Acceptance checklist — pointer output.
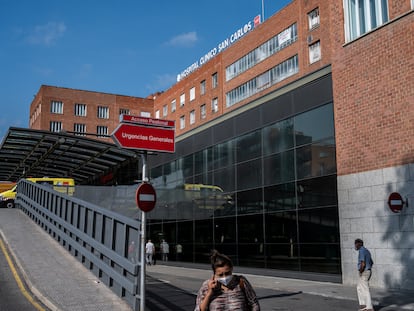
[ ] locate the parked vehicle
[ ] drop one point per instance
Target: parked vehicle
(6, 185)
(64, 185)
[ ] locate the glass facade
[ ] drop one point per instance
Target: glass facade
(267, 198)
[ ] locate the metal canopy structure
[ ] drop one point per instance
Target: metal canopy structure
(37, 153)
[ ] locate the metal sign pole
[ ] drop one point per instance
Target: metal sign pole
(143, 238)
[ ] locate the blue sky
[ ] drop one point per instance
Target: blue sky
(128, 47)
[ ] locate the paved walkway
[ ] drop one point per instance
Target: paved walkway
(58, 279)
(63, 283)
(383, 299)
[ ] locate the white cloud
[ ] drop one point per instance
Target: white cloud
(185, 39)
(46, 34)
(161, 83)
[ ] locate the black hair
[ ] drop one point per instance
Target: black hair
(219, 260)
(359, 241)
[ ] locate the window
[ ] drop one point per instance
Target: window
(173, 105)
(283, 39)
(362, 16)
(276, 74)
(157, 114)
(214, 80)
(192, 93)
(79, 129)
(103, 112)
(56, 107)
(192, 116)
(214, 104)
(412, 4)
(182, 122)
(203, 111)
(164, 110)
(124, 111)
(102, 131)
(55, 126)
(80, 110)
(313, 18)
(315, 52)
(203, 86)
(145, 114)
(182, 100)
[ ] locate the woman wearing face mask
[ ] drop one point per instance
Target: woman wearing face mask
(225, 291)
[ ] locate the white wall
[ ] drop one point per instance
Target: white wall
(364, 213)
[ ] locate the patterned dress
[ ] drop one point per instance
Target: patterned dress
(239, 296)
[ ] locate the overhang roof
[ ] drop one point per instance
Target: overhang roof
(38, 153)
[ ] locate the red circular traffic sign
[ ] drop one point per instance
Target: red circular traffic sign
(395, 202)
(146, 197)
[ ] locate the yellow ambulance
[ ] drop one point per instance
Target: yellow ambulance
(64, 185)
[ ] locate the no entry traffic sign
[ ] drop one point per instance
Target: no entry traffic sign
(146, 197)
(395, 202)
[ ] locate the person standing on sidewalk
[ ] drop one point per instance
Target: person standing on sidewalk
(364, 270)
(149, 251)
(225, 291)
(165, 250)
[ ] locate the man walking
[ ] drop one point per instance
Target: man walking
(364, 269)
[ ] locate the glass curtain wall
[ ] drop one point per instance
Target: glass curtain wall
(267, 198)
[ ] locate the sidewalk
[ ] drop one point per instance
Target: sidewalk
(59, 280)
(63, 283)
(386, 299)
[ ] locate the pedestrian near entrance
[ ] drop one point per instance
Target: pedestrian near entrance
(165, 250)
(149, 251)
(178, 252)
(364, 275)
(225, 291)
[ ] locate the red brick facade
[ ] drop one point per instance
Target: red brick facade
(372, 85)
(373, 80)
(296, 12)
(70, 97)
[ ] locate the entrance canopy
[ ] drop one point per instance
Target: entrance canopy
(37, 153)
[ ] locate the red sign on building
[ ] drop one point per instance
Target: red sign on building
(125, 118)
(135, 136)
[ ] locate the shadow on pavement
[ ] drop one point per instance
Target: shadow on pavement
(278, 295)
(163, 296)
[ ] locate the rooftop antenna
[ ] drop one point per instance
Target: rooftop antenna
(263, 17)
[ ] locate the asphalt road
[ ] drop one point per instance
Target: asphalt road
(165, 292)
(14, 295)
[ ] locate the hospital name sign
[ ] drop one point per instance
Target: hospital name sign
(239, 33)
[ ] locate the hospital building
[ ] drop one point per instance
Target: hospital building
(290, 136)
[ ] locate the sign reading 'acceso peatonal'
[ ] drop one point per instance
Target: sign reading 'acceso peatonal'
(137, 136)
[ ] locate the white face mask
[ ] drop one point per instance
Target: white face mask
(225, 280)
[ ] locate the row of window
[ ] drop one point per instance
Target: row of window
(265, 80)
(203, 113)
(284, 70)
(173, 104)
(361, 16)
(80, 110)
(267, 49)
(78, 129)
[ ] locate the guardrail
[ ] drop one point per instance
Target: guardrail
(103, 241)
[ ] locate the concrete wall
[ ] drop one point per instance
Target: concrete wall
(364, 213)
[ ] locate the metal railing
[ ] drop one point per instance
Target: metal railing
(105, 242)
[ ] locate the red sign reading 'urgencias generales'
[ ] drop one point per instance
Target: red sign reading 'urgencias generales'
(146, 134)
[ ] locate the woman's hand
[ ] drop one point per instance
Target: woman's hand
(212, 286)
